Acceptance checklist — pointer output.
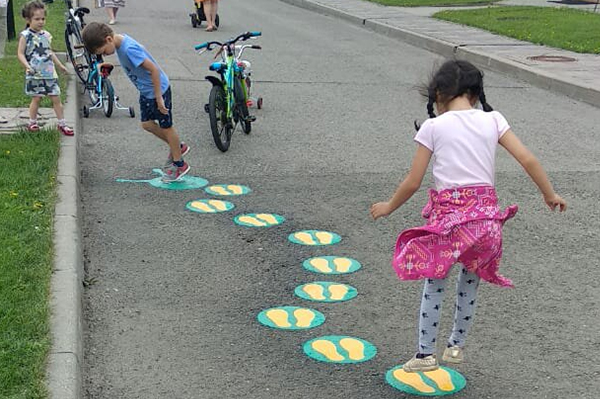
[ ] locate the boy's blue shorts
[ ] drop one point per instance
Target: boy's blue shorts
(149, 110)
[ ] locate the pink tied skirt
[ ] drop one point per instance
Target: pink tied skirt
(464, 225)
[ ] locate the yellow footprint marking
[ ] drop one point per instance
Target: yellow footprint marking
(235, 189)
(202, 206)
(321, 265)
(324, 237)
(342, 264)
(337, 291)
(305, 238)
(413, 380)
(442, 379)
(303, 317)
(251, 220)
(220, 190)
(220, 205)
(327, 349)
(270, 219)
(315, 291)
(279, 317)
(355, 348)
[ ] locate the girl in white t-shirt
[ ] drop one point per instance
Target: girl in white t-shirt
(464, 222)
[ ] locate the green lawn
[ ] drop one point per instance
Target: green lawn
(563, 28)
(12, 74)
(431, 3)
(28, 164)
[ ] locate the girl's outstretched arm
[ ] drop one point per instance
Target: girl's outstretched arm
(533, 168)
(408, 187)
(21, 55)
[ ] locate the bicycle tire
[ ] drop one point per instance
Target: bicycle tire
(77, 57)
(220, 126)
(108, 100)
(242, 106)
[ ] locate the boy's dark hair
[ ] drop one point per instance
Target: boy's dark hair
(30, 8)
(453, 79)
(94, 35)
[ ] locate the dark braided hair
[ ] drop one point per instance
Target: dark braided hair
(453, 79)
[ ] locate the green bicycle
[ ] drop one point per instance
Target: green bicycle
(228, 100)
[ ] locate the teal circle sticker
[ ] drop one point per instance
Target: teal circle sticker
(339, 349)
(186, 183)
(258, 219)
(440, 382)
(227, 189)
(314, 237)
(209, 206)
(325, 291)
(291, 318)
(331, 265)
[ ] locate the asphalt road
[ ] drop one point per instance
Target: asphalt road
(171, 309)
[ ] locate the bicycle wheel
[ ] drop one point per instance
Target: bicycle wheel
(77, 53)
(108, 97)
(242, 107)
(220, 126)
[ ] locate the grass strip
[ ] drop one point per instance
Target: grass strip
(558, 27)
(432, 3)
(28, 167)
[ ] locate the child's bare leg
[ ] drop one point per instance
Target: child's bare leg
(168, 135)
(58, 108)
(33, 108)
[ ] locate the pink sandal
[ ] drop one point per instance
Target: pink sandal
(33, 127)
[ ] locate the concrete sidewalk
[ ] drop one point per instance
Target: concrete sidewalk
(572, 74)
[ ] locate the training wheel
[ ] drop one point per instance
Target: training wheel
(259, 103)
(131, 112)
(86, 111)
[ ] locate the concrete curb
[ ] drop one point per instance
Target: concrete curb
(517, 70)
(65, 361)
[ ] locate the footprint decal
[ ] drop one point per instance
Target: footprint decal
(443, 381)
(291, 318)
(209, 206)
(227, 189)
(331, 265)
(186, 183)
(258, 220)
(339, 349)
(314, 237)
(324, 291)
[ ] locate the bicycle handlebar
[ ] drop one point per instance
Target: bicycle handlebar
(243, 36)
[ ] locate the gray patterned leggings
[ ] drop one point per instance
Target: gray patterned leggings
(431, 306)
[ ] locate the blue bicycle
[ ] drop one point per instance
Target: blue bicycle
(228, 100)
(100, 89)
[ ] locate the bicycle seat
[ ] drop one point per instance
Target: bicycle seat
(79, 11)
(105, 70)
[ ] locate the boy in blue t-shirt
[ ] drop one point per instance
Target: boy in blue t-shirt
(154, 88)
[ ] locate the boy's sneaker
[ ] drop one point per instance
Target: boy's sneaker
(428, 363)
(185, 149)
(66, 130)
(33, 127)
(453, 354)
(174, 173)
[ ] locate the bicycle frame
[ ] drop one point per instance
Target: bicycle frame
(231, 70)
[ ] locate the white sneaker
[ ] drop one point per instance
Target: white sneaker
(453, 354)
(428, 363)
